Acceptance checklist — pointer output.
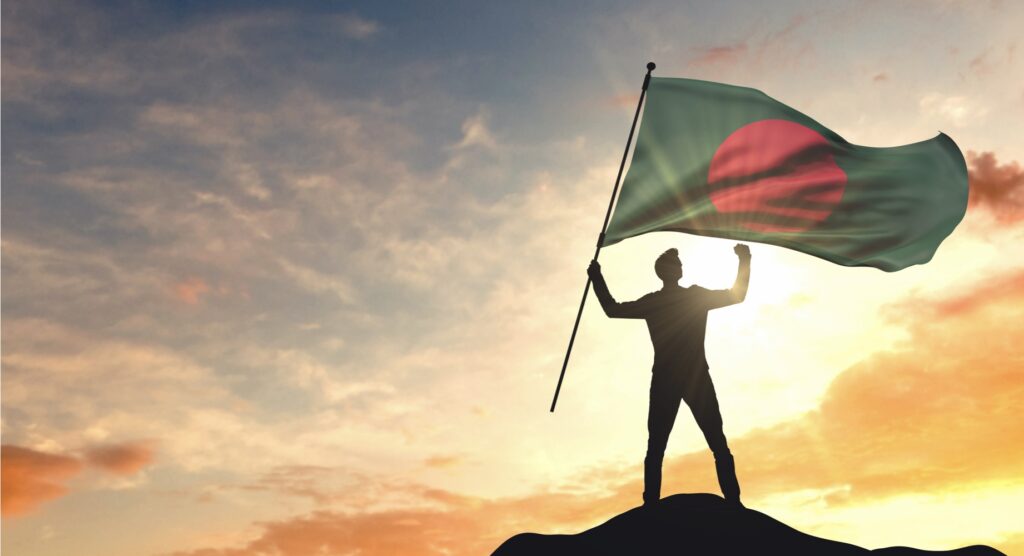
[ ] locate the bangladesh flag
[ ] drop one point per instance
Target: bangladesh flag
(732, 162)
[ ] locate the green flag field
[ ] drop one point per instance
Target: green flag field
(731, 162)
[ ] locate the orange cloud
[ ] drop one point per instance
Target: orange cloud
(191, 290)
(442, 461)
(997, 187)
(772, 48)
(719, 55)
(625, 100)
(121, 459)
(1012, 545)
(990, 60)
(307, 481)
(29, 477)
(445, 524)
(1009, 290)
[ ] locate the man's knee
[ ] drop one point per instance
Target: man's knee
(719, 445)
(656, 449)
(657, 436)
(710, 423)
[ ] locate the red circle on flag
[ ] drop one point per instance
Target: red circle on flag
(776, 176)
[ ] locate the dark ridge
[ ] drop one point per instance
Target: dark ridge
(686, 524)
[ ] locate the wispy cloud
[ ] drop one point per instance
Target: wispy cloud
(190, 290)
(719, 55)
(445, 461)
(990, 60)
(475, 133)
(782, 45)
(357, 27)
(956, 110)
(625, 100)
(122, 459)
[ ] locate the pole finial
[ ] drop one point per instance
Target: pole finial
(651, 66)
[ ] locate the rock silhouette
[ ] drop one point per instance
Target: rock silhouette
(698, 524)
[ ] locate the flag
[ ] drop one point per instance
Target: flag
(732, 162)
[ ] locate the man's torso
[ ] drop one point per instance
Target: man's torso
(677, 320)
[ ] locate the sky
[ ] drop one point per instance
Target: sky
(298, 278)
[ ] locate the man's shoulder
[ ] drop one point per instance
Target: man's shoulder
(693, 292)
(698, 291)
(677, 295)
(651, 296)
(700, 294)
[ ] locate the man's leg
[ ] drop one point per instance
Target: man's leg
(700, 396)
(661, 415)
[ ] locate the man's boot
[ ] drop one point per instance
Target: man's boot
(652, 478)
(726, 468)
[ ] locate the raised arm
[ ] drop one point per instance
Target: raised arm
(738, 292)
(739, 286)
(612, 308)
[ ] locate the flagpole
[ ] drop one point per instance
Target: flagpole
(604, 227)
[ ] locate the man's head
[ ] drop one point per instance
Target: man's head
(668, 267)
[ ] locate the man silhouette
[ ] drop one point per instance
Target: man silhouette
(676, 318)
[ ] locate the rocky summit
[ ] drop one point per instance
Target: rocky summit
(699, 524)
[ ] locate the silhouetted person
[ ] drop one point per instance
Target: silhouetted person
(676, 318)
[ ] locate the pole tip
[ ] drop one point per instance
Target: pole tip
(651, 66)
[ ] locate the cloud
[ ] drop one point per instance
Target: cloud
(47, 385)
(121, 459)
(1007, 288)
(190, 290)
(357, 27)
(129, 60)
(880, 77)
(30, 477)
(991, 60)
(439, 523)
(719, 55)
(443, 461)
(300, 369)
(65, 387)
(315, 281)
(981, 64)
(780, 46)
(427, 532)
(476, 133)
(625, 100)
(1013, 544)
(326, 199)
(305, 481)
(996, 187)
(956, 110)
